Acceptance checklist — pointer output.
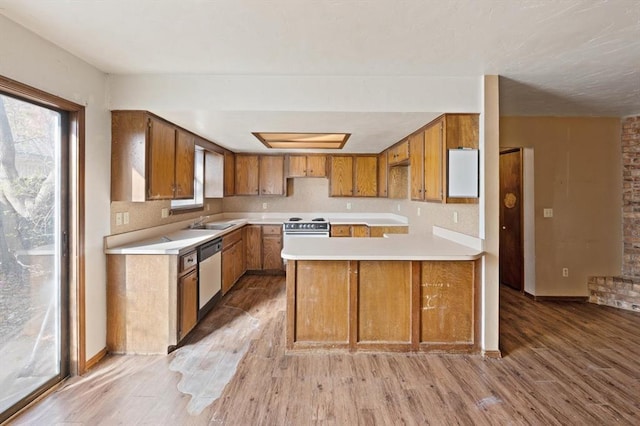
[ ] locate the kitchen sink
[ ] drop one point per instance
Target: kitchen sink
(219, 226)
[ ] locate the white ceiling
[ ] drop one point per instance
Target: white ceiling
(555, 57)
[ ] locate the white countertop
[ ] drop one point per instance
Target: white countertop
(180, 241)
(392, 247)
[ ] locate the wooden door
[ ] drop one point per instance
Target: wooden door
(317, 165)
(341, 177)
(272, 175)
(188, 302)
(511, 237)
(229, 174)
(161, 160)
(246, 176)
(297, 166)
(184, 163)
(416, 161)
(366, 176)
(253, 247)
(383, 181)
(433, 162)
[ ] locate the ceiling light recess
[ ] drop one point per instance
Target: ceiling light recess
(282, 140)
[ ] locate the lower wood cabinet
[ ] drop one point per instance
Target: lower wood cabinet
(383, 305)
(264, 248)
(187, 303)
(233, 259)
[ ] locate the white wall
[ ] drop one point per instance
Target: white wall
(29, 59)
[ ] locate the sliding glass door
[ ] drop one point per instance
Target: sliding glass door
(34, 283)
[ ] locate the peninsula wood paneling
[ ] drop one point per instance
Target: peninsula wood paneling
(322, 302)
(379, 231)
(447, 302)
(384, 301)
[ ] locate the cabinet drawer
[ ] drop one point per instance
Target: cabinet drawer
(232, 238)
(341, 231)
(188, 260)
(271, 230)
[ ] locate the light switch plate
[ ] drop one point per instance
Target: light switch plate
(118, 219)
(547, 212)
(125, 218)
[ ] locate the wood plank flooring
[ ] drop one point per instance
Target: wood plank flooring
(563, 363)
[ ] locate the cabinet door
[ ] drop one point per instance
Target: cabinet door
(271, 249)
(246, 176)
(228, 269)
(433, 151)
(359, 231)
(272, 175)
(253, 247)
(161, 160)
(366, 177)
(416, 160)
(341, 177)
(229, 174)
(383, 180)
(399, 153)
(297, 166)
(317, 165)
(184, 159)
(240, 264)
(188, 303)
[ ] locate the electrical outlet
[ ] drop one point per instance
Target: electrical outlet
(455, 217)
(547, 213)
(125, 218)
(398, 207)
(565, 272)
(264, 206)
(164, 213)
(418, 211)
(348, 206)
(118, 219)
(208, 207)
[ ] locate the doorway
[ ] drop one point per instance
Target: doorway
(34, 260)
(511, 250)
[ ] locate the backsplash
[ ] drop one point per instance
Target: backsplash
(149, 214)
(312, 195)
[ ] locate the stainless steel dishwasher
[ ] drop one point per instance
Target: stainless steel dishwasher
(209, 274)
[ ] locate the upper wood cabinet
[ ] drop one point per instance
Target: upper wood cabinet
(246, 175)
(399, 153)
(259, 175)
(353, 176)
(416, 149)
(306, 166)
(271, 181)
(450, 131)
(229, 173)
(383, 175)
(151, 159)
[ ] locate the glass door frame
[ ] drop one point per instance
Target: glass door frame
(72, 289)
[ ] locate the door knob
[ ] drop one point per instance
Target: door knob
(504, 227)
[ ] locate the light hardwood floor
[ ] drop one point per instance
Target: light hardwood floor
(564, 363)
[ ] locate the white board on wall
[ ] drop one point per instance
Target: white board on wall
(463, 178)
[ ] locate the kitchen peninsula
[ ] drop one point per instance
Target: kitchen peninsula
(399, 293)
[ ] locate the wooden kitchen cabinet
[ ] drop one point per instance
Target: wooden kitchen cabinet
(353, 176)
(229, 174)
(233, 259)
(247, 175)
(264, 248)
(416, 159)
(253, 247)
(259, 175)
(428, 155)
(187, 303)
(354, 231)
(271, 177)
(151, 159)
(306, 166)
(399, 153)
(383, 175)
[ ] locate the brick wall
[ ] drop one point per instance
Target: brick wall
(624, 292)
